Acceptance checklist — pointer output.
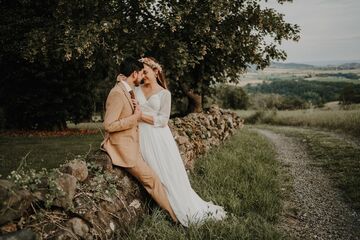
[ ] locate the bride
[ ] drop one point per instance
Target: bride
(160, 151)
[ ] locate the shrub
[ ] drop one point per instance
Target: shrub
(230, 96)
(275, 101)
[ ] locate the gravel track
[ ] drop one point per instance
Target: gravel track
(315, 209)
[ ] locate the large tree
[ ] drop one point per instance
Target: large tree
(206, 42)
(64, 49)
(53, 54)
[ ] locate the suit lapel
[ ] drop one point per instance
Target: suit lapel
(127, 94)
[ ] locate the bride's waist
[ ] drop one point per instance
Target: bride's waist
(149, 125)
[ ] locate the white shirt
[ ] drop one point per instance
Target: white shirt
(127, 86)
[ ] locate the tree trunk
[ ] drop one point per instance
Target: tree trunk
(195, 102)
(60, 126)
(195, 99)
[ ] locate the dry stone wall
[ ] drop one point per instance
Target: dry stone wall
(90, 198)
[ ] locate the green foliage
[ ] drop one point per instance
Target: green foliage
(316, 92)
(55, 54)
(43, 182)
(349, 95)
(207, 42)
(34, 96)
(275, 101)
(233, 97)
(256, 117)
(103, 183)
(261, 116)
(352, 76)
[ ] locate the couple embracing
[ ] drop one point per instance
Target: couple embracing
(139, 140)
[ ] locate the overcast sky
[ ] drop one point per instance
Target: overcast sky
(330, 30)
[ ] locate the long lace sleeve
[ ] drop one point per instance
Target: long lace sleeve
(162, 117)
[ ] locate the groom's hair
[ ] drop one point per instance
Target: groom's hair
(130, 65)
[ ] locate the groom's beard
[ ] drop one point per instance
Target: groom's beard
(137, 82)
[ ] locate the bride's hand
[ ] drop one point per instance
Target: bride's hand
(138, 113)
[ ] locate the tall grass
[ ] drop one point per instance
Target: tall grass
(347, 121)
(242, 176)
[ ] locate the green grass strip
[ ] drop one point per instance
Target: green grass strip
(242, 176)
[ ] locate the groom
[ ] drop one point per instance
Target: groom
(122, 136)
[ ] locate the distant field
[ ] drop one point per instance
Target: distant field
(267, 71)
(270, 74)
(347, 121)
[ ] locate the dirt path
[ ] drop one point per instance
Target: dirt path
(315, 209)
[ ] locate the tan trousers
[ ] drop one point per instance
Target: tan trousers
(152, 184)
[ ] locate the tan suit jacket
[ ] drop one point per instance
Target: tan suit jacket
(122, 144)
(122, 135)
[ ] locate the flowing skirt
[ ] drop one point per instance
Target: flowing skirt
(160, 151)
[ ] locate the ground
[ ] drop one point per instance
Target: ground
(314, 208)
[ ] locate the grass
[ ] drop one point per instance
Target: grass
(242, 176)
(340, 158)
(86, 125)
(43, 152)
(347, 121)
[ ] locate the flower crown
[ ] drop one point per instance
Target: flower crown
(151, 63)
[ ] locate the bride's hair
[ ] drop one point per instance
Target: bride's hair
(153, 63)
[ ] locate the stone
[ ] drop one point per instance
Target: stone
(119, 172)
(102, 159)
(8, 228)
(229, 122)
(23, 234)
(79, 227)
(13, 202)
(181, 140)
(135, 204)
(5, 186)
(103, 219)
(64, 235)
(67, 184)
(76, 168)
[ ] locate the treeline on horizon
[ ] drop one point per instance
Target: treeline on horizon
(352, 76)
(316, 92)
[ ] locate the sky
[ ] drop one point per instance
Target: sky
(330, 30)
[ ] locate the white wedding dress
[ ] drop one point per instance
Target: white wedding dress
(160, 151)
